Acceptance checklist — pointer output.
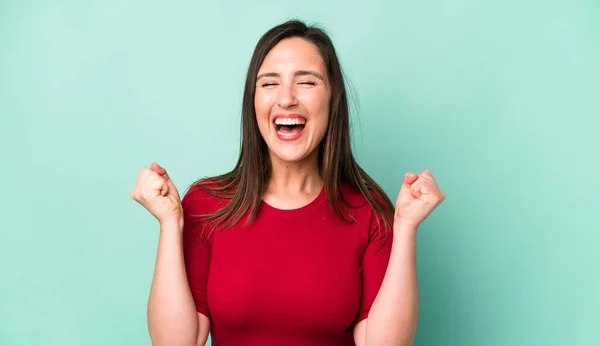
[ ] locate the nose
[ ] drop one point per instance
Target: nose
(287, 96)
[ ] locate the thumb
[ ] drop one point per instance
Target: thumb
(170, 184)
(161, 171)
(163, 174)
(157, 168)
(409, 179)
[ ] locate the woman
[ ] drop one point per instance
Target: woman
(297, 245)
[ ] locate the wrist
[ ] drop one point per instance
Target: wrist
(403, 227)
(172, 223)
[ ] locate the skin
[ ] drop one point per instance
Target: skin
(282, 89)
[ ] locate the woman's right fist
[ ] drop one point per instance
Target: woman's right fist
(156, 192)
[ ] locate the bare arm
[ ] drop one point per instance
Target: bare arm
(393, 316)
(172, 316)
(394, 313)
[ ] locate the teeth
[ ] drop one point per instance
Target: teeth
(290, 121)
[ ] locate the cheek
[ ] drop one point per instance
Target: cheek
(262, 108)
(318, 106)
(258, 105)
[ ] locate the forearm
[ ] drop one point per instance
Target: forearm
(172, 317)
(393, 316)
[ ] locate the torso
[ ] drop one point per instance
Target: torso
(292, 277)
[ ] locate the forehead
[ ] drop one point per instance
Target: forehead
(293, 54)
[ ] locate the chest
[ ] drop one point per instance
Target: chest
(284, 275)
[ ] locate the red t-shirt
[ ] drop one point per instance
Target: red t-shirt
(293, 277)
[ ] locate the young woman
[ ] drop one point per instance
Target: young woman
(297, 245)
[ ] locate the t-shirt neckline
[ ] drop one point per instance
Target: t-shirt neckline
(272, 211)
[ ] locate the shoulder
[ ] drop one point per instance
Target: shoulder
(351, 195)
(355, 199)
(198, 203)
(200, 197)
(194, 194)
(364, 209)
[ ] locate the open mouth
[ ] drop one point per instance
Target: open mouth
(289, 126)
(289, 129)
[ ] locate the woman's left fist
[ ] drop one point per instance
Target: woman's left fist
(418, 196)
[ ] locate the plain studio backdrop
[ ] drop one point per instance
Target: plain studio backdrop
(499, 99)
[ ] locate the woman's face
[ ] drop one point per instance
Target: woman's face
(292, 99)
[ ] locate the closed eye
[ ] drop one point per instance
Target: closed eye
(308, 83)
(268, 84)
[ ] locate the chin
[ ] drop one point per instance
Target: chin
(289, 156)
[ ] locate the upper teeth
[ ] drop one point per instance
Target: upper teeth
(290, 121)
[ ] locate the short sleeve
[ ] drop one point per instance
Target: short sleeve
(374, 263)
(196, 249)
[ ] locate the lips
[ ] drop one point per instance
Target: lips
(289, 127)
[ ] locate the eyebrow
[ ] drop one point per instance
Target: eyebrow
(296, 74)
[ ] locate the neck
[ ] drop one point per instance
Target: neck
(290, 178)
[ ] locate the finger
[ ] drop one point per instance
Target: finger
(145, 176)
(163, 173)
(427, 174)
(409, 179)
(157, 168)
(168, 181)
(420, 182)
(156, 183)
(427, 188)
(160, 170)
(164, 189)
(145, 173)
(415, 190)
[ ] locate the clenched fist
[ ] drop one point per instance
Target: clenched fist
(418, 197)
(156, 192)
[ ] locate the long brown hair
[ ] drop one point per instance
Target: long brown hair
(247, 182)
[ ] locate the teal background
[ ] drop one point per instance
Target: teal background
(499, 99)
